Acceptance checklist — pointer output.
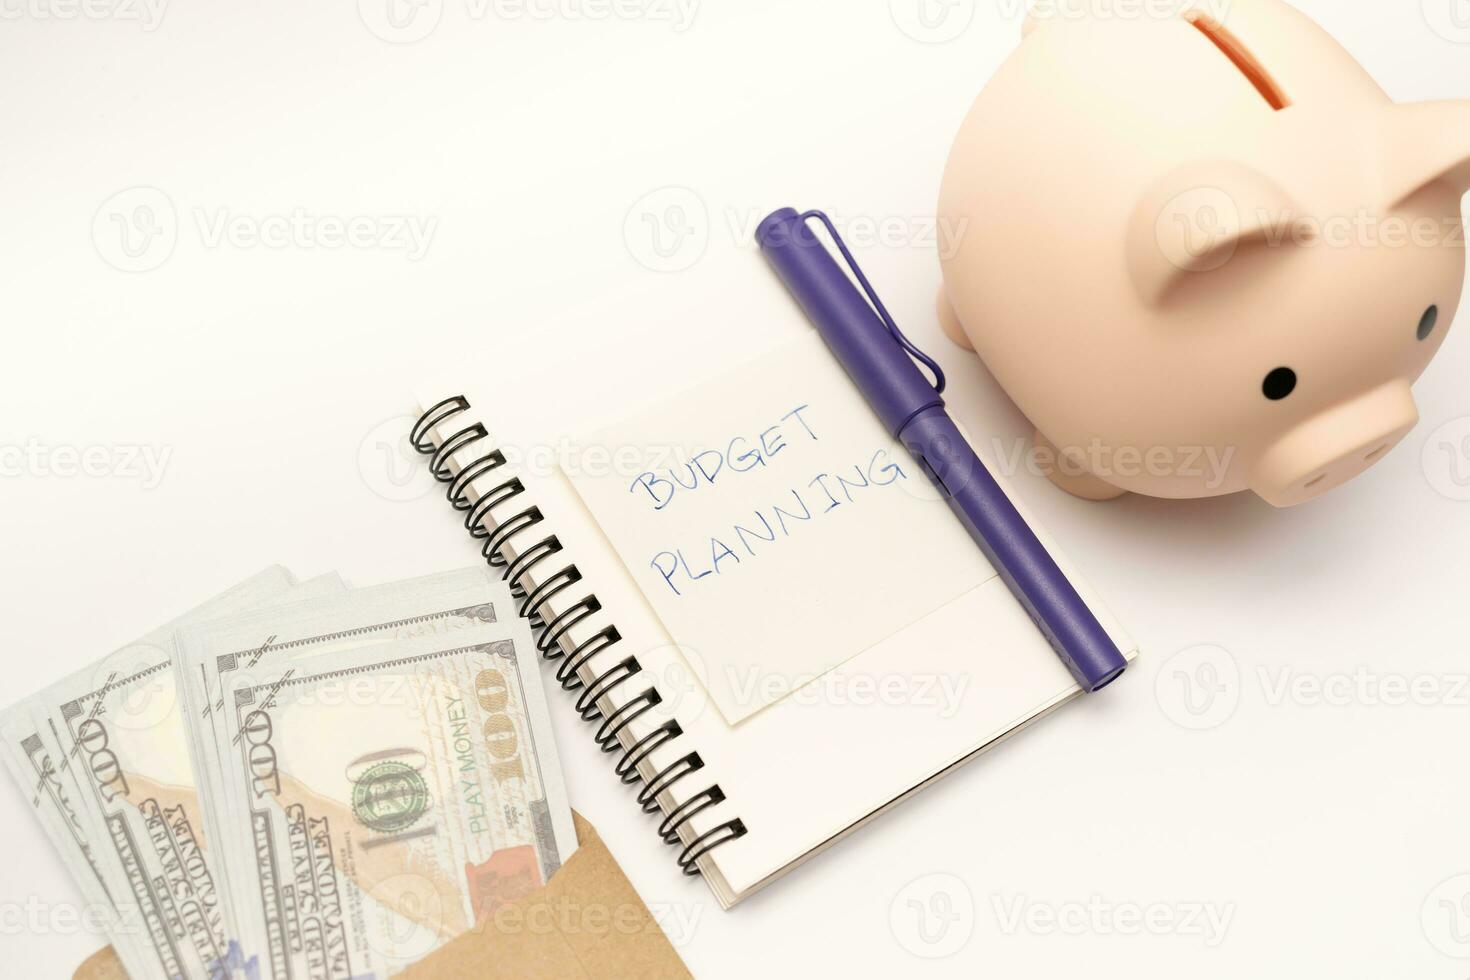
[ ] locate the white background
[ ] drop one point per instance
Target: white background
(1328, 831)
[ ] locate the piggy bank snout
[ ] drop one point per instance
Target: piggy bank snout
(1329, 449)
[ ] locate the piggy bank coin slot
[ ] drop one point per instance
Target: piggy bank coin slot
(1234, 49)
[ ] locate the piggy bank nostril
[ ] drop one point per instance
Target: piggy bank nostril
(1376, 453)
(1428, 322)
(1279, 383)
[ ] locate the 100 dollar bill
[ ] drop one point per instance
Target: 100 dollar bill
(36, 762)
(122, 753)
(260, 643)
(390, 798)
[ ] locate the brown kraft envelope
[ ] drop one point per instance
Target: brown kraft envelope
(586, 922)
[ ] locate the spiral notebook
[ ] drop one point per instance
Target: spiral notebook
(776, 629)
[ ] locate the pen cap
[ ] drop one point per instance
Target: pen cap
(861, 342)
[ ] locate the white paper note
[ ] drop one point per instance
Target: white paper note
(773, 524)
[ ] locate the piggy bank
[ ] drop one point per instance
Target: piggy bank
(1204, 253)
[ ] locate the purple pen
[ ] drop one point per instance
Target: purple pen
(880, 361)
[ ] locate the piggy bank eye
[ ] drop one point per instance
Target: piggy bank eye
(1427, 322)
(1279, 383)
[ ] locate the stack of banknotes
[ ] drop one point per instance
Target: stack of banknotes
(302, 779)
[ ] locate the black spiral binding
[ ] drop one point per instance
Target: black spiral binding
(551, 632)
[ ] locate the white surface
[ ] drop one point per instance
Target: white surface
(1327, 826)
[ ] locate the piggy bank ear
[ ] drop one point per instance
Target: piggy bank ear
(1426, 143)
(1194, 221)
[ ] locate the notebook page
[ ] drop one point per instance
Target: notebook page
(774, 525)
(957, 681)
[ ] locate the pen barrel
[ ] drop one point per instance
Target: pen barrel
(895, 387)
(913, 412)
(1016, 553)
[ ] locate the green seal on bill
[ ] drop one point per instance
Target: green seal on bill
(389, 797)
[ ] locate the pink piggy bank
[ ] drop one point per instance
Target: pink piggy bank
(1205, 253)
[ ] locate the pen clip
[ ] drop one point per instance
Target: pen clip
(878, 306)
